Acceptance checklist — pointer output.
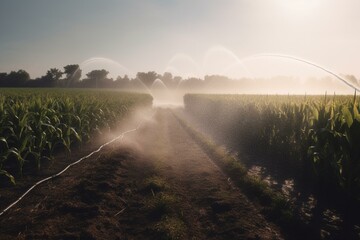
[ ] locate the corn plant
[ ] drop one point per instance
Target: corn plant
(37, 123)
(316, 135)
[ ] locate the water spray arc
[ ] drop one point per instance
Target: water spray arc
(105, 60)
(93, 60)
(309, 63)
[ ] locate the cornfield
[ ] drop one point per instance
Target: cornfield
(316, 135)
(34, 124)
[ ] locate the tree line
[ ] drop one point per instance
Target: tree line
(72, 77)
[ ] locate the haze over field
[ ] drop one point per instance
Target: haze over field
(186, 38)
(179, 119)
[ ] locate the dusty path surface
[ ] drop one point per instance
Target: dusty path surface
(158, 184)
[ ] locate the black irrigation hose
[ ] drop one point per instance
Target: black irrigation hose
(120, 137)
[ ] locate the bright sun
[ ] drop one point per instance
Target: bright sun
(301, 7)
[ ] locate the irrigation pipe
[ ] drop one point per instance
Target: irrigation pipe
(120, 137)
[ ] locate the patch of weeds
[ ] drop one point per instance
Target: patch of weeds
(232, 166)
(161, 204)
(257, 189)
(155, 184)
(280, 211)
(170, 228)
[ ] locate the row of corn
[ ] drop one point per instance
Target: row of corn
(35, 124)
(316, 135)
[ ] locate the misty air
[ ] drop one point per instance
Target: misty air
(177, 119)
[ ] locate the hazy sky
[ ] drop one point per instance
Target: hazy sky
(187, 37)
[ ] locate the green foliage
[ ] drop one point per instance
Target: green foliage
(275, 204)
(318, 136)
(36, 123)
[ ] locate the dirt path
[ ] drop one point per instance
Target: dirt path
(159, 184)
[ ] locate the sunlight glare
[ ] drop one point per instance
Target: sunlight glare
(299, 7)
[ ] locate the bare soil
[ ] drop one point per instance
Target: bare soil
(156, 184)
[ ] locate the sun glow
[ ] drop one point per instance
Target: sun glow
(299, 7)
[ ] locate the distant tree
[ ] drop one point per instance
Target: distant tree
(3, 79)
(52, 77)
(147, 78)
(106, 83)
(37, 82)
(214, 82)
(177, 81)
(167, 79)
(95, 78)
(192, 84)
(17, 79)
(122, 82)
(73, 75)
(3, 76)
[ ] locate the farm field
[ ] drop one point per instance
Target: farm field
(37, 124)
(305, 146)
(179, 120)
(156, 184)
(277, 175)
